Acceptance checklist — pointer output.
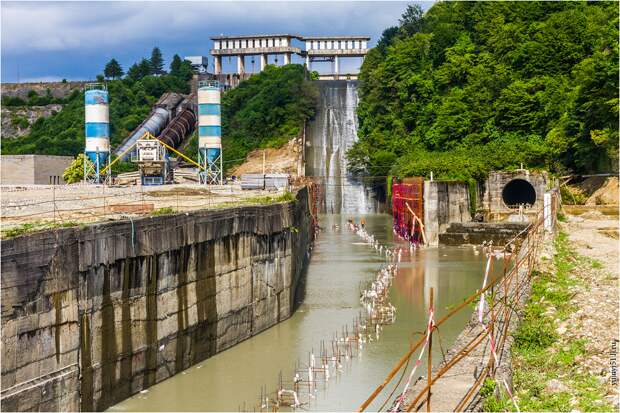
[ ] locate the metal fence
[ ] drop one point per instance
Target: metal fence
(497, 301)
(68, 205)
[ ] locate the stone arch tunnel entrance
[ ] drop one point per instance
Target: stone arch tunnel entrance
(517, 192)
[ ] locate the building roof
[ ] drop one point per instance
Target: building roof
(335, 38)
(255, 36)
(288, 35)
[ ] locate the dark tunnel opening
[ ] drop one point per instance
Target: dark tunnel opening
(517, 192)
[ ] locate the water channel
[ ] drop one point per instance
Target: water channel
(340, 264)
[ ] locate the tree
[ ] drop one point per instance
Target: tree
(134, 72)
(181, 69)
(75, 172)
(145, 67)
(175, 65)
(470, 86)
(100, 78)
(139, 70)
(113, 70)
(157, 62)
(412, 19)
(387, 38)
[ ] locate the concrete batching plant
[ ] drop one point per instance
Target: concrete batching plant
(97, 130)
(210, 133)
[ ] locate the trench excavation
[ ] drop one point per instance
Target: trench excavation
(330, 337)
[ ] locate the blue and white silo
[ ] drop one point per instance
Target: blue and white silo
(210, 131)
(97, 126)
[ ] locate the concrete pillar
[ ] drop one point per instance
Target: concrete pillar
(217, 62)
(263, 61)
(241, 65)
(287, 58)
(336, 68)
(307, 62)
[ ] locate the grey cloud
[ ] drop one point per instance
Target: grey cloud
(91, 25)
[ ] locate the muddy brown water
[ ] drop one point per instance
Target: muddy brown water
(340, 265)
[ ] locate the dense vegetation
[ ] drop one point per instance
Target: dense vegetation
(131, 100)
(266, 110)
(473, 86)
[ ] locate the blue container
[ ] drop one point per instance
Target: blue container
(209, 109)
(210, 131)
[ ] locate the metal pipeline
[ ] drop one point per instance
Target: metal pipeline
(180, 126)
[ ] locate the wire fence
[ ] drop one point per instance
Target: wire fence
(485, 340)
(86, 204)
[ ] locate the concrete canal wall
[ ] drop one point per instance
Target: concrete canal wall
(93, 315)
(445, 202)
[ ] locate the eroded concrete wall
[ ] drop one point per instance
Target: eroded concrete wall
(492, 202)
(92, 315)
(445, 202)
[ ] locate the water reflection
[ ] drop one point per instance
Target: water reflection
(340, 265)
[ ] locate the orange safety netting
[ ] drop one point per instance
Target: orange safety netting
(407, 200)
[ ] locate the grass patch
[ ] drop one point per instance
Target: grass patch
(260, 200)
(35, 226)
(540, 353)
(163, 211)
(596, 264)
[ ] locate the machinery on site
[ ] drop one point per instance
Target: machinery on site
(163, 113)
(96, 132)
(210, 133)
(155, 164)
(154, 144)
(154, 156)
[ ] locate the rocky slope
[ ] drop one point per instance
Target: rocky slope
(16, 121)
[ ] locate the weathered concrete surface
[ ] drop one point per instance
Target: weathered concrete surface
(92, 315)
(492, 202)
(445, 202)
(476, 233)
(33, 169)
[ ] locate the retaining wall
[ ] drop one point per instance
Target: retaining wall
(445, 202)
(93, 315)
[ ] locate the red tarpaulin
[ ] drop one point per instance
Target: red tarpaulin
(408, 199)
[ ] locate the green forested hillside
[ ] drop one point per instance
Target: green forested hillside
(266, 110)
(131, 101)
(474, 86)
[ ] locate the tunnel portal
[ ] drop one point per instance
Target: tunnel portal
(517, 192)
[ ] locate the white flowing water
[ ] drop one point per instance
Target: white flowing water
(329, 137)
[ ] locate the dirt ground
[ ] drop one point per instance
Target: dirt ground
(280, 160)
(90, 203)
(595, 190)
(595, 320)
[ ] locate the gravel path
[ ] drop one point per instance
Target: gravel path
(595, 320)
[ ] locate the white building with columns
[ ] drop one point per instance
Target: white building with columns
(256, 45)
(317, 49)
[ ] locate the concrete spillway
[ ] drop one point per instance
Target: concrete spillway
(328, 138)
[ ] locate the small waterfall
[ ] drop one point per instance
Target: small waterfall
(328, 139)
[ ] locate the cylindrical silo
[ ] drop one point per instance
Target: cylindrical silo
(210, 130)
(97, 124)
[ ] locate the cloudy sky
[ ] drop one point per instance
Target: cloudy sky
(74, 40)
